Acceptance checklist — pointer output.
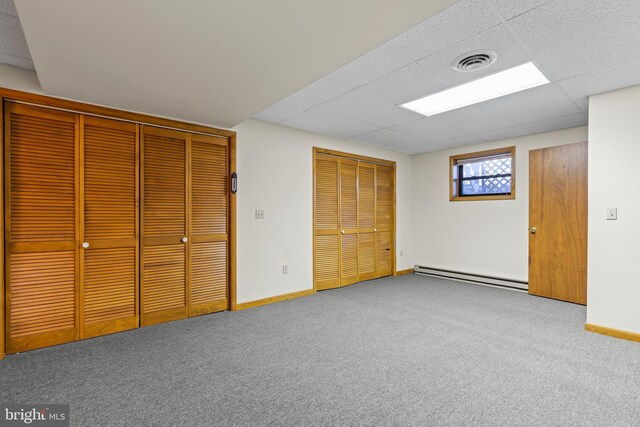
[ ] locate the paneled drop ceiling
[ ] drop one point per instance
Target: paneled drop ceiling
(13, 46)
(584, 47)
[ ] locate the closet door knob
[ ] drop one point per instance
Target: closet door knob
(185, 239)
(342, 231)
(375, 230)
(85, 245)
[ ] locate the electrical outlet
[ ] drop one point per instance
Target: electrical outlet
(259, 214)
(285, 269)
(612, 213)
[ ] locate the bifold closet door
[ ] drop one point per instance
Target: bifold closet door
(109, 268)
(326, 218)
(42, 175)
(366, 222)
(384, 220)
(164, 225)
(348, 222)
(209, 230)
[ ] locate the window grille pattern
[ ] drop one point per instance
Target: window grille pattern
(486, 177)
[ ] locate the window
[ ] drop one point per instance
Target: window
(485, 175)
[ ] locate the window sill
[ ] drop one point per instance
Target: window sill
(480, 198)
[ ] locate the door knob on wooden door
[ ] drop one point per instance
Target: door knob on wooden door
(85, 245)
(184, 240)
(533, 230)
(342, 231)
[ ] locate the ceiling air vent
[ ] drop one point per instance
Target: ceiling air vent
(474, 61)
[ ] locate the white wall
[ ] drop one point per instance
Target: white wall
(613, 292)
(275, 173)
(482, 237)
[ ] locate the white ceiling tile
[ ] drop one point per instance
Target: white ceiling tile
(369, 109)
(12, 41)
(404, 85)
(321, 91)
(511, 8)
(428, 129)
(328, 123)
(463, 141)
(386, 138)
(497, 39)
(534, 105)
(581, 87)
(504, 133)
(475, 119)
(558, 123)
(572, 37)
(371, 66)
(16, 61)
(8, 7)
(460, 21)
(423, 148)
(280, 111)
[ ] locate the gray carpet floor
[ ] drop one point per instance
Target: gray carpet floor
(399, 351)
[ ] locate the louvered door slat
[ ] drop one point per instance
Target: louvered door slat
(349, 222)
(164, 281)
(209, 225)
(366, 221)
(42, 289)
(110, 285)
(383, 221)
(164, 218)
(327, 272)
(42, 185)
(209, 277)
(327, 240)
(326, 193)
(164, 183)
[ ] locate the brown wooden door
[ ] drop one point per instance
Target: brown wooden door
(384, 221)
(109, 268)
(41, 167)
(348, 222)
(558, 222)
(366, 221)
(326, 223)
(209, 225)
(164, 224)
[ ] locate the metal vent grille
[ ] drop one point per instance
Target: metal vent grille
(474, 61)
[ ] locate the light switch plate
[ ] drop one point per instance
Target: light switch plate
(259, 214)
(612, 213)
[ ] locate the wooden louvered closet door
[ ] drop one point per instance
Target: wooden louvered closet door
(366, 221)
(348, 222)
(384, 221)
(164, 226)
(110, 230)
(326, 218)
(41, 158)
(209, 225)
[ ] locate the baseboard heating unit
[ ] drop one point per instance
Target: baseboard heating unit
(473, 278)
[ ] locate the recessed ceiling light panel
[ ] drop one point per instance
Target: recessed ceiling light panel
(474, 61)
(522, 77)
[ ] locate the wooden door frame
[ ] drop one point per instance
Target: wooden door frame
(122, 115)
(358, 157)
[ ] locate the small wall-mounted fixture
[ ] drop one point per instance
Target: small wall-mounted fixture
(234, 182)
